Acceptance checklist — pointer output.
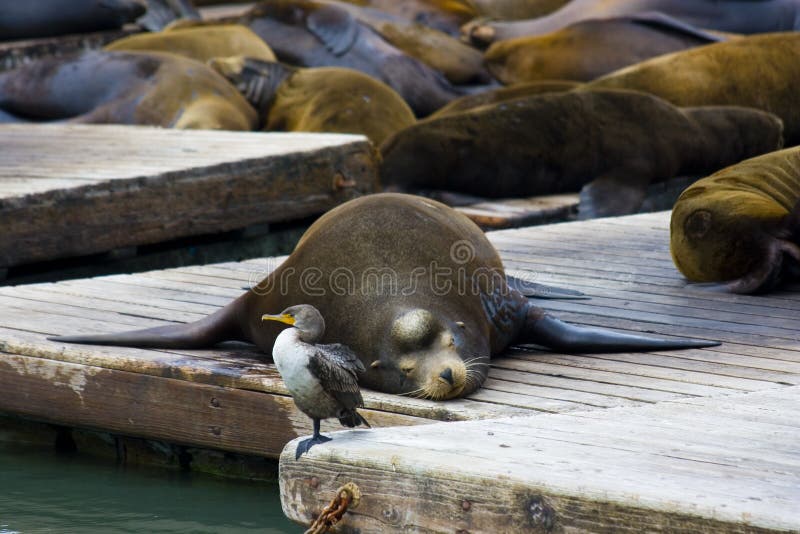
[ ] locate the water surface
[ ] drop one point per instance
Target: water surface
(42, 491)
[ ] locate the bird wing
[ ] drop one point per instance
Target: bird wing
(336, 367)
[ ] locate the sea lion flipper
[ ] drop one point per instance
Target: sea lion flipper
(610, 195)
(659, 20)
(542, 291)
(162, 13)
(335, 27)
(208, 331)
(543, 329)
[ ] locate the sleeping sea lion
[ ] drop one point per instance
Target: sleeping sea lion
(26, 19)
(741, 225)
(588, 49)
(555, 143)
(413, 287)
(735, 16)
(307, 33)
(326, 99)
(125, 88)
(503, 94)
(200, 43)
(444, 15)
(459, 62)
(759, 71)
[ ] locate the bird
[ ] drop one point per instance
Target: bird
(322, 379)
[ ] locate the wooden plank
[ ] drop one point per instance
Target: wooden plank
(516, 212)
(669, 467)
(140, 185)
(177, 411)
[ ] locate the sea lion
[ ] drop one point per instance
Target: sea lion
(125, 88)
(326, 99)
(459, 62)
(200, 43)
(504, 94)
(759, 71)
(735, 16)
(741, 225)
(413, 287)
(444, 15)
(26, 19)
(516, 9)
(588, 49)
(558, 142)
(308, 33)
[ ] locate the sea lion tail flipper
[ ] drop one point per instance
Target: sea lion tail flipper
(543, 329)
(542, 291)
(208, 331)
(334, 27)
(608, 196)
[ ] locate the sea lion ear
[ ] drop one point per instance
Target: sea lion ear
(335, 27)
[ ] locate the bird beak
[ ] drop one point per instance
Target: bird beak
(288, 319)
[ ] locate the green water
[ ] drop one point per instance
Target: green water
(41, 491)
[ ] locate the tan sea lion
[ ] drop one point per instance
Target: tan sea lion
(26, 19)
(740, 227)
(200, 43)
(413, 287)
(759, 71)
(504, 94)
(310, 33)
(444, 15)
(326, 99)
(125, 88)
(735, 16)
(621, 141)
(588, 49)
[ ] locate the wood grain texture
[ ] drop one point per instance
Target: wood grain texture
(727, 464)
(71, 190)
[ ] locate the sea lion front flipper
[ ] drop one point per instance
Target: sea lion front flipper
(659, 20)
(162, 13)
(543, 329)
(542, 291)
(208, 331)
(608, 196)
(335, 27)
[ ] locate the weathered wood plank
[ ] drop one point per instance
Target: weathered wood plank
(515, 212)
(669, 467)
(139, 185)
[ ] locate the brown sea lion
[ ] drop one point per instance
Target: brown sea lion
(459, 62)
(413, 287)
(326, 99)
(735, 16)
(308, 33)
(25, 19)
(759, 71)
(444, 15)
(125, 88)
(621, 141)
(200, 43)
(588, 49)
(504, 94)
(741, 225)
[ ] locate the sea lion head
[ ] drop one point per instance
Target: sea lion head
(430, 357)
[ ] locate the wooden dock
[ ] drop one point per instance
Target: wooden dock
(73, 190)
(673, 441)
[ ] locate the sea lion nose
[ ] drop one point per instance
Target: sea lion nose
(447, 374)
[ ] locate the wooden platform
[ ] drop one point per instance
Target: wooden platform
(618, 428)
(72, 190)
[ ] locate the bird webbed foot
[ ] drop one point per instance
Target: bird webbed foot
(305, 445)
